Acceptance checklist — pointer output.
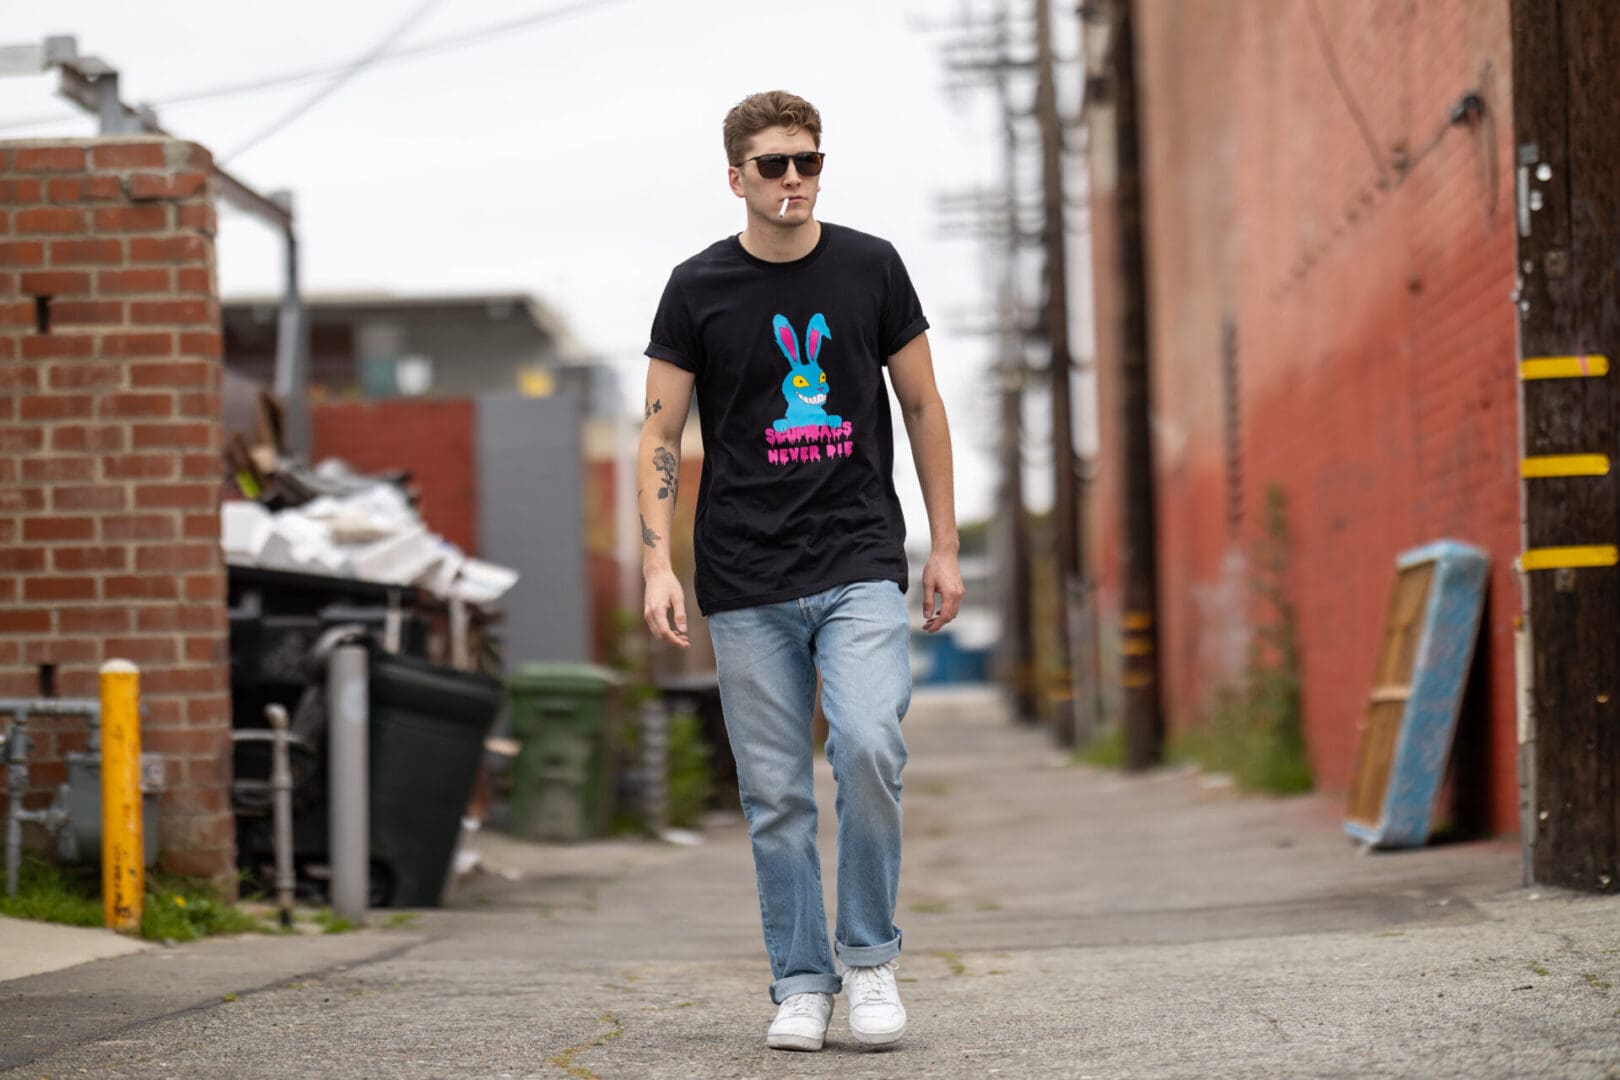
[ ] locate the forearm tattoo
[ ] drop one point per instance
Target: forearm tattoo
(664, 462)
(648, 537)
(654, 406)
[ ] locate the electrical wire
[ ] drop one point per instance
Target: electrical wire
(286, 79)
(347, 73)
(1331, 59)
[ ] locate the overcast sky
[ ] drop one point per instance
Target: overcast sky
(577, 159)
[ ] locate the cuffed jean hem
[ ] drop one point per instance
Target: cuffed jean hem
(782, 989)
(867, 955)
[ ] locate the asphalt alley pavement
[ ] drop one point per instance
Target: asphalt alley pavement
(1059, 921)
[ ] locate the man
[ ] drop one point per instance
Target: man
(784, 331)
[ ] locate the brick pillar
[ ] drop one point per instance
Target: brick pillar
(110, 460)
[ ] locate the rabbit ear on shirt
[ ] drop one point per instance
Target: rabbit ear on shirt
(814, 334)
(786, 339)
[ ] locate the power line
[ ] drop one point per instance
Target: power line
(435, 47)
(355, 67)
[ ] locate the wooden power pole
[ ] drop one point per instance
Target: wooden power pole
(1565, 84)
(1066, 531)
(1143, 722)
(1017, 608)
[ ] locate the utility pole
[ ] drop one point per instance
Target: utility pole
(1065, 472)
(1020, 642)
(1564, 84)
(985, 55)
(1142, 719)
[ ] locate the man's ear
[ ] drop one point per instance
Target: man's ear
(734, 178)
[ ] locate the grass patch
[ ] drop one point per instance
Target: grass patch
(1595, 982)
(402, 920)
(953, 962)
(931, 907)
(175, 908)
(49, 894)
(331, 923)
(1539, 970)
(1106, 751)
(1254, 732)
(185, 909)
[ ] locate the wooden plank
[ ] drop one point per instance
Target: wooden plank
(1403, 625)
(1374, 756)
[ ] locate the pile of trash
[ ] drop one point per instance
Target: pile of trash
(335, 522)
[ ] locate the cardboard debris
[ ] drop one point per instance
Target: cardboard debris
(357, 527)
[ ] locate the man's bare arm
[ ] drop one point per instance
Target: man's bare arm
(658, 477)
(912, 372)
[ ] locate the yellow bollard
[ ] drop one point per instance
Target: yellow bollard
(123, 849)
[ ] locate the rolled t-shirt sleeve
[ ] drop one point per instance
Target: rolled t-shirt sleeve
(673, 338)
(901, 316)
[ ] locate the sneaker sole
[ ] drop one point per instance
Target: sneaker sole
(793, 1042)
(878, 1038)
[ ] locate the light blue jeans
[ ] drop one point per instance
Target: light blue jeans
(858, 637)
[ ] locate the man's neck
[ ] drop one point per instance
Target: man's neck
(775, 244)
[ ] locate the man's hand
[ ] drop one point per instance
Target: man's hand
(664, 595)
(942, 578)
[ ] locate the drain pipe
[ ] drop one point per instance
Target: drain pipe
(14, 749)
(281, 785)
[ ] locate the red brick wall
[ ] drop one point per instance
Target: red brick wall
(110, 460)
(1374, 337)
(432, 439)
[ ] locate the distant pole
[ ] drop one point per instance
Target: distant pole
(1016, 609)
(1143, 721)
(1065, 473)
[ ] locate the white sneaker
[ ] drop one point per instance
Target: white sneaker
(875, 1013)
(801, 1022)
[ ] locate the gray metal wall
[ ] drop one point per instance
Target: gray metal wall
(531, 518)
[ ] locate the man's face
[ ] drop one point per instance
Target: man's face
(764, 197)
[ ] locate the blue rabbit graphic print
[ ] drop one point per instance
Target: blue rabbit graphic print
(805, 385)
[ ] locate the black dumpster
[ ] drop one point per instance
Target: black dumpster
(427, 731)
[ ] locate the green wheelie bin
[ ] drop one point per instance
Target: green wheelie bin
(564, 717)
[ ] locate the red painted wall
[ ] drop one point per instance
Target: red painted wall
(431, 439)
(1368, 291)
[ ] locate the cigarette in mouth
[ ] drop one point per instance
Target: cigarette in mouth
(783, 212)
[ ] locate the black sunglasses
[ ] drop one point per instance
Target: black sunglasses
(774, 166)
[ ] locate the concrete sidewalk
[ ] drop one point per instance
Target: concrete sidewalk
(1058, 921)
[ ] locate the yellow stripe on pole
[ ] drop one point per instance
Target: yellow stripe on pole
(1136, 620)
(1563, 367)
(123, 850)
(1569, 558)
(1137, 647)
(1136, 680)
(1532, 468)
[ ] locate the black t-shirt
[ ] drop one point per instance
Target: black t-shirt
(797, 491)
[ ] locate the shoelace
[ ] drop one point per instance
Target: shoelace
(870, 986)
(801, 1005)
